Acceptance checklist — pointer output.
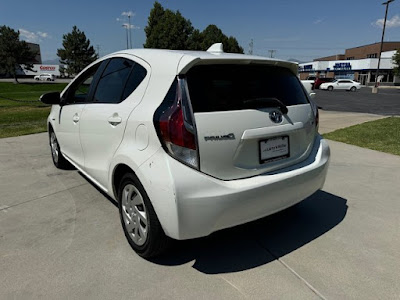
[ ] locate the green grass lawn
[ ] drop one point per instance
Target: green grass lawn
(18, 117)
(381, 135)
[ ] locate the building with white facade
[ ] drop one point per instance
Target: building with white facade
(358, 63)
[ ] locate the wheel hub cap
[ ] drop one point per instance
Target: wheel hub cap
(134, 214)
(54, 147)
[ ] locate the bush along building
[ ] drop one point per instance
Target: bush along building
(359, 63)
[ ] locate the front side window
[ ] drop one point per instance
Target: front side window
(237, 87)
(79, 91)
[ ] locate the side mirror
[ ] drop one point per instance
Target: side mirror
(312, 95)
(51, 98)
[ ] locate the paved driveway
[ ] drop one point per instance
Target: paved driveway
(386, 102)
(61, 238)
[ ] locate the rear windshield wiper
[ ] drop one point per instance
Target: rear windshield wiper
(266, 102)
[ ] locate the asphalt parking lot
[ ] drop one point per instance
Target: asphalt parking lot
(385, 102)
(61, 238)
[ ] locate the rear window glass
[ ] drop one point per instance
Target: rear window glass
(237, 87)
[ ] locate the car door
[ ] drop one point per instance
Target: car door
(347, 84)
(120, 88)
(340, 85)
(67, 128)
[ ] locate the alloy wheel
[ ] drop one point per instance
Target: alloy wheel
(54, 147)
(134, 214)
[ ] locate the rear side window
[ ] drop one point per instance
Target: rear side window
(112, 81)
(137, 75)
(237, 87)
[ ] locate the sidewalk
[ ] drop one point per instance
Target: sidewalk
(333, 120)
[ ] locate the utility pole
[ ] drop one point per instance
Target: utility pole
(375, 89)
(126, 27)
(251, 47)
(272, 52)
(130, 29)
(98, 50)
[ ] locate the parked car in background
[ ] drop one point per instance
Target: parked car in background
(341, 84)
(189, 142)
(45, 77)
(322, 80)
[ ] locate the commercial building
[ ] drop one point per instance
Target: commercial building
(38, 68)
(359, 63)
(35, 48)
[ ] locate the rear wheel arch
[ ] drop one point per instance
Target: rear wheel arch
(119, 172)
(156, 242)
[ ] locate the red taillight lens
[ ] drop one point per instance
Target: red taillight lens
(173, 130)
(175, 126)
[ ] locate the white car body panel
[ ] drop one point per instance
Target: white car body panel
(67, 128)
(239, 158)
(102, 126)
(188, 202)
(196, 210)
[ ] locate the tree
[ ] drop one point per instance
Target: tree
(170, 30)
(14, 54)
(167, 29)
(77, 52)
(212, 34)
(396, 61)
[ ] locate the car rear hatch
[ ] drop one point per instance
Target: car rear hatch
(237, 119)
(250, 118)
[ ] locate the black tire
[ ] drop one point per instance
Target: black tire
(353, 89)
(58, 159)
(37, 79)
(330, 88)
(48, 79)
(156, 241)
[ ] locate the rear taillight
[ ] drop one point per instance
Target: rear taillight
(175, 127)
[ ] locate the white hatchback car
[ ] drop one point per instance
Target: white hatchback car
(341, 84)
(189, 142)
(45, 77)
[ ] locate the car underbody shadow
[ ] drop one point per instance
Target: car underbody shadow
(262, 241)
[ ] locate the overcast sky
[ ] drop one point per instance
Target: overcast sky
(295, 29)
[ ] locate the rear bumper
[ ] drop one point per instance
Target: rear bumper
(205, 204)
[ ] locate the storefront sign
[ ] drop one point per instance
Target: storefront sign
(47, 68)
(342, 66)
(306, 68)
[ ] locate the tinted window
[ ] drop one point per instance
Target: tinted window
(79, 91)
(236, 87)
(113, 80)
(135, 78)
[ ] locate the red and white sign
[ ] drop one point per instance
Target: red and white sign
(47, 68)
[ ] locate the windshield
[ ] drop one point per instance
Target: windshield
(237, 87)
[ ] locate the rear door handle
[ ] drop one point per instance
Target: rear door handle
(114, 120)
(75, 118)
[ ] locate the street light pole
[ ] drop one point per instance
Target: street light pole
(126, 27)
(130, 28)
(375, 89)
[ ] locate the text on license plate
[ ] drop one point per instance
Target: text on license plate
(274, 149)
